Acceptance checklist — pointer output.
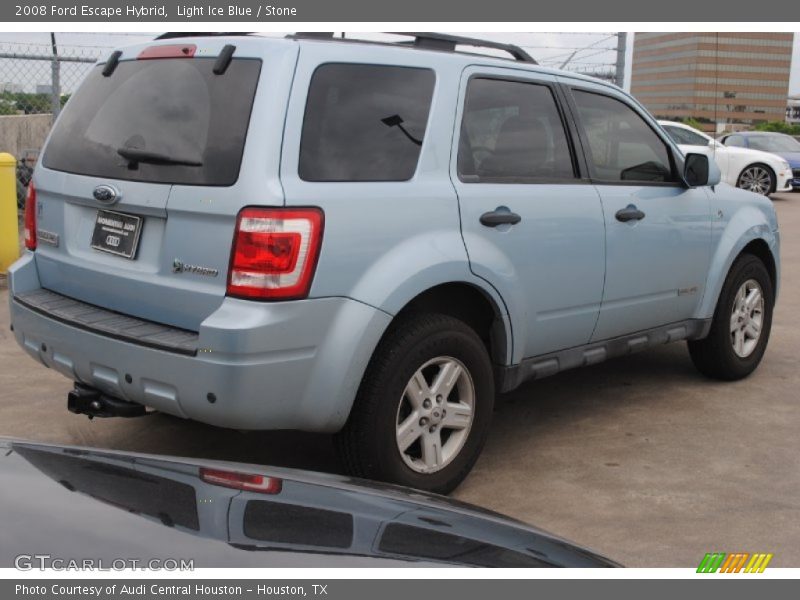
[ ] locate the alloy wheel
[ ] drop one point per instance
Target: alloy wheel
(747, 318)
(756, 179)
(435, 414)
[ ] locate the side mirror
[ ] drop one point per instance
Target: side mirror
(698, 171)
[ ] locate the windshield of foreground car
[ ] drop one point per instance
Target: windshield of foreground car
(774, 143)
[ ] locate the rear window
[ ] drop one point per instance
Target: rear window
(186, 125)
(364, 122)
(172, 502)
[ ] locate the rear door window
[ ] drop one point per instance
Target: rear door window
(364, 122)
(512, 132)
(186, 124)
(735, 140)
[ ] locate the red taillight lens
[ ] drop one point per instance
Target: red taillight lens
(30, 218)
(242, 481)
(275, 253)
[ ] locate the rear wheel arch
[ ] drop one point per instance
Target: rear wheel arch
(470, 304)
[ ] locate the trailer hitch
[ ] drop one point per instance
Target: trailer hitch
(85, 400)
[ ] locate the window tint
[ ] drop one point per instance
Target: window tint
(295, 524)
(408, 540)
(684, 136)
(512, 132)
(622, 147)
(735, 140)
(364, 122)
(177, 109)
(170, 501)
(774, 143)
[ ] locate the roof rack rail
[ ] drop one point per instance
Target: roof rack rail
(434, 41)
(443, 41)
(171, 35)
(429, 41)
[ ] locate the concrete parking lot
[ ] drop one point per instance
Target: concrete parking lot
(640, 458)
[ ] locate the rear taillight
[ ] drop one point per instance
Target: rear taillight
(242, 481)
(275, 253)
(30, 218)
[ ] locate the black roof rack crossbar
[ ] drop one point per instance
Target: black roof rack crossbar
(443, 41)
(434, 41)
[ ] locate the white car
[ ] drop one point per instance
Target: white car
(753, 170)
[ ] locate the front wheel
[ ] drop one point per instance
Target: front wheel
(423, 409)
(741, 324)
(757, 178)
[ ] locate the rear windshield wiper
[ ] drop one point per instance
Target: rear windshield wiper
(134, 157)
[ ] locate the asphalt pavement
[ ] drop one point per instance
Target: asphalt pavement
(639, 458)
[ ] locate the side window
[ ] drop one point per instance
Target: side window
(511, 131)
(364, 122)
(735, 140)
(622, 146)
(684, 136)
(295, 524)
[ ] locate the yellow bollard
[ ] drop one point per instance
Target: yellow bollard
(9, 226)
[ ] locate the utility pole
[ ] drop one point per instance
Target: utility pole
(622, 49)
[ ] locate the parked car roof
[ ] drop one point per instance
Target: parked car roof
(80, 502)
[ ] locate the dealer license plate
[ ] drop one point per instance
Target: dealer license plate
(116, 233)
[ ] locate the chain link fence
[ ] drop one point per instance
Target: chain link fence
(36, 80)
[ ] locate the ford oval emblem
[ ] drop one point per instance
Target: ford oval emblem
(105, 194)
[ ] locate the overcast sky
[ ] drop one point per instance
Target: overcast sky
(548, 48)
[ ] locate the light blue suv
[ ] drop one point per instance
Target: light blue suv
(371, 239)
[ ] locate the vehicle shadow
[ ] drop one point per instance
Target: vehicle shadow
(537, 411)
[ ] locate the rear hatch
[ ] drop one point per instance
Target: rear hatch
(147, 167)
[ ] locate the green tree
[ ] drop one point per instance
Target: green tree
(692, 122)
(779, 127)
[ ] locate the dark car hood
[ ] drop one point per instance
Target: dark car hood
(74, 503)
(793, 158)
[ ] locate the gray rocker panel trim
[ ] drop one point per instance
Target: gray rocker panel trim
(537, 367)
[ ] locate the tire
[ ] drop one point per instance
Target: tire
(426, 345)
(757, 178)
(725, 354)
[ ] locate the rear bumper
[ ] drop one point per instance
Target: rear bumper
(282, 365)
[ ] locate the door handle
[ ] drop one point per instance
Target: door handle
(497, 217)
(629, 213)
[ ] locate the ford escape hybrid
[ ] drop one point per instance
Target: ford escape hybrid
(371, 239)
